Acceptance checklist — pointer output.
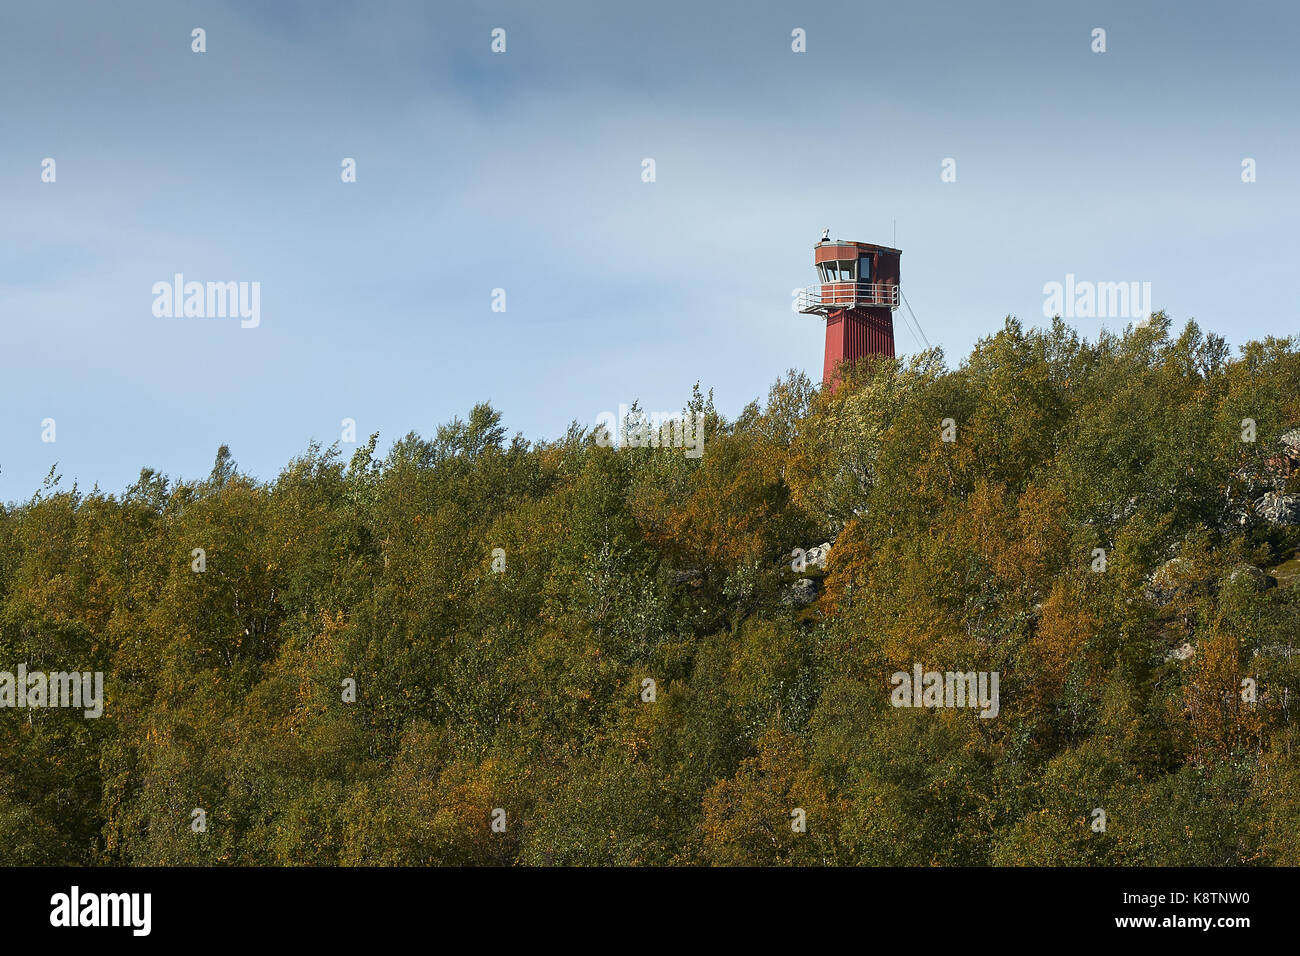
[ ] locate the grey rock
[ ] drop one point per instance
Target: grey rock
(819, 554)
(1166, 581)
(800, 594)
(1251, 576)
(1279, 509)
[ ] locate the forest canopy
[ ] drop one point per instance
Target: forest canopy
(482, 650)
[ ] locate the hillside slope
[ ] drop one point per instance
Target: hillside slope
(568, 653)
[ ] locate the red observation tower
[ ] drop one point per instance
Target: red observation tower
(857, 295)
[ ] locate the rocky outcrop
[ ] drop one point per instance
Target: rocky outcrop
(1250, 576)
(1170, 580)
(1178, 578)
(1259, 490)
(1290, 442)
(800, 594)
(818, 555)
(1279, 509)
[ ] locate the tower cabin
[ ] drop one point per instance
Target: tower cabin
(857, 293)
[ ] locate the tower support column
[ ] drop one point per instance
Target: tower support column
(853, 333)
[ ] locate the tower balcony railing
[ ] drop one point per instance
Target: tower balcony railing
(833, 296)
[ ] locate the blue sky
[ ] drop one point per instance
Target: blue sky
(522, 171)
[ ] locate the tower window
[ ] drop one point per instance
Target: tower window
(837, 270)
(864, 268)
